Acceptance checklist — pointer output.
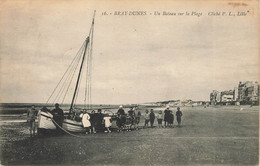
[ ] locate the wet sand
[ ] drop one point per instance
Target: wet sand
(221, 135)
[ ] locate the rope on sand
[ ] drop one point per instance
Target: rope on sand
(66, 130)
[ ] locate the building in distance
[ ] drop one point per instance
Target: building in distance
(245, 93)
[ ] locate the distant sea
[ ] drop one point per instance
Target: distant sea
(20, 108)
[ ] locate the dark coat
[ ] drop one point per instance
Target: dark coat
(58, 115)
(121, 111)
(152, 116)
(166, 115)
(171, 118)
(178, 113)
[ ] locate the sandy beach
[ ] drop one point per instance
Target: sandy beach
(214, 135)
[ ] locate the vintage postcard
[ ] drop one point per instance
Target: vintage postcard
(129, 82)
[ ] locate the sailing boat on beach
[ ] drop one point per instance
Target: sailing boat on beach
(82, 63)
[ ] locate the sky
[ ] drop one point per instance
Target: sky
(136, 59)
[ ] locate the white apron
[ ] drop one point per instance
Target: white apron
(85, 120)
(107, 121)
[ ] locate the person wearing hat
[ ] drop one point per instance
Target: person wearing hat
(166, 116)
(121, 111)
(179, 115)
(58, 116)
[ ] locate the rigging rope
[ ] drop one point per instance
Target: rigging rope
(65, 130)
(63, 76)
(70, 78)
(88, 66)
(76, 97)
(73, 74)
(65, 81)
(86, 85)
(89, 69)
(87, 78)
(70, 75)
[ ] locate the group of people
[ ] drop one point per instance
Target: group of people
(57, 112)
(134, 118)
(97, 121)
(94, 122)
(168, 118)
(127, 120)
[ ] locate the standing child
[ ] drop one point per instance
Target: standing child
(159, 119)
(171, 119)
(146, 118)
(138, 116)
(86, 121)
(179, 115)
(108, 123)
(152, 117)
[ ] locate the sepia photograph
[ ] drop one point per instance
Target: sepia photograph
(129, 82)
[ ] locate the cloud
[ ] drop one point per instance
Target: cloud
(135, 59)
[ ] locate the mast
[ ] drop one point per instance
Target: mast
(83, 58)
(77, 84)
(90, 60)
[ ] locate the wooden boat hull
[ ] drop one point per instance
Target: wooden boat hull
(73, 126)
(45, 121)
